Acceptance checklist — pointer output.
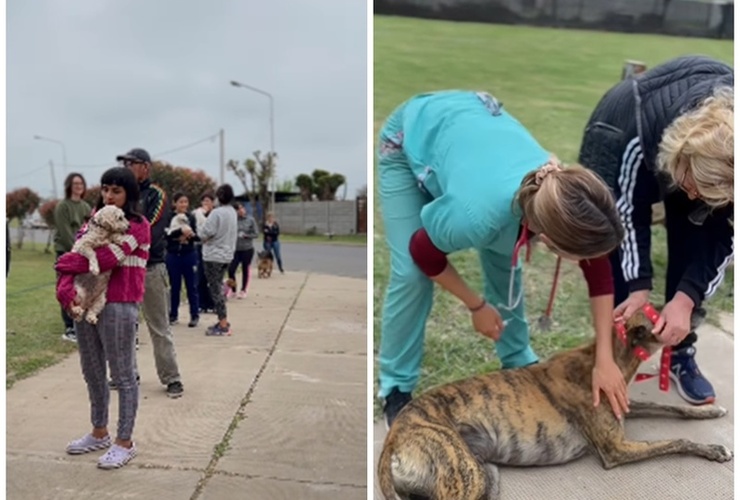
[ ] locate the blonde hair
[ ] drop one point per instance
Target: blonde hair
(573, 207)
(703, 139)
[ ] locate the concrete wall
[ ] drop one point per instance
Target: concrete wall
(338, 217)
(709, 19)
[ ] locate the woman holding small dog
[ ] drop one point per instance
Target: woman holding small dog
(668, 135)
(182, 258)
(458, 172)
(112, 339)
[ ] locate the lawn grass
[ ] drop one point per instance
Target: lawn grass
(33, 320)
(550, 79)
(342, 239)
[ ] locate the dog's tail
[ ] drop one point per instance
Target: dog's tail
(385, 473)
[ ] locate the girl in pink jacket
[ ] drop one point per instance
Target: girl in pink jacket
(112, 339)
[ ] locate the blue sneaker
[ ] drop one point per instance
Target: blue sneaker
(218, 331)
(690, 383)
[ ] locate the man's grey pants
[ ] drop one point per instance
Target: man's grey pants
(156, 309)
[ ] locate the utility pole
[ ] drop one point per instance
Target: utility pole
(53, 180)
(221, 150)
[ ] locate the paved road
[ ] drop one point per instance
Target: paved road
(338, 260)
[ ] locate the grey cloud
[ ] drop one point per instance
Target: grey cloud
(106, 76)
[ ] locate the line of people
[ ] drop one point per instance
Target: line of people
(160, 248)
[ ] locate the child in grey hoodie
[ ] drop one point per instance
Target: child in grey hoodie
(219, 242)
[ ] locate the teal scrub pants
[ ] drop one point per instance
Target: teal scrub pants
(408, 298)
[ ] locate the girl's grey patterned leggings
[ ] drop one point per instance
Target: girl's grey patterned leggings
(215, 277)
(113, 340)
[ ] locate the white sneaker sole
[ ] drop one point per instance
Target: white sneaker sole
(685, 396)
(117, 465)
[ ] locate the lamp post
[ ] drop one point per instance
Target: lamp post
(272, 129)
(64, 150)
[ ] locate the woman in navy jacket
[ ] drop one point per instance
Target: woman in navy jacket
(667, 135)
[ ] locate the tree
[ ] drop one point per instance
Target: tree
(326, 184)
(182, 179)
(46, 211)
(92, 194)
(259, 171)
(18, 205)
(172, 179)
(305, 185)
(285, 186)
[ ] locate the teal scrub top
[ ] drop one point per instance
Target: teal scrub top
(470, 155)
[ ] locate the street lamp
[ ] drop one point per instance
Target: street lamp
(64, 150)
(272, 128)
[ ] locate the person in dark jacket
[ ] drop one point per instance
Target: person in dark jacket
(182, 258)
(667, 135)
(271, 243)
(153, 205)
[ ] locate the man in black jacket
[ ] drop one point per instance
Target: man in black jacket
(636, 126)
(153, 205)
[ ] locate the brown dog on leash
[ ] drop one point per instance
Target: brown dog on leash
(264, 264)
(446, 443)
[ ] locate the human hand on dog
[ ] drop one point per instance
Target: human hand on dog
(634, 303)
(675, 320)
(488, 322)
(606, 376)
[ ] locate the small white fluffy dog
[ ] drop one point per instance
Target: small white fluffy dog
(108, 225)
(179, 221)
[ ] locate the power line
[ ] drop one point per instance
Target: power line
(29, 173)
(209, 138)
(180, 148)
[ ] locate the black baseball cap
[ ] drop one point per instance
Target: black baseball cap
(136, 155)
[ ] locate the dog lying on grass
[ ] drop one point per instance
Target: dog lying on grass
(446, 443)
(108, 225)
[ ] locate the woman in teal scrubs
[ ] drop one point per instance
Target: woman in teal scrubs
(458, 172)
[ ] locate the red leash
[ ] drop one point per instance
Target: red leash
(642, 354)
(551, 301)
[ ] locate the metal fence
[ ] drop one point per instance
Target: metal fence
(709, 19)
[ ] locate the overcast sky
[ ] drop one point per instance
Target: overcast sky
(106, 76)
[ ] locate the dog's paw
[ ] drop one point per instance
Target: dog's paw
(76, 313)
(717, 411)
(92, 319)
(720, 453)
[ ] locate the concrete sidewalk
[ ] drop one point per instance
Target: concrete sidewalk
(276, 411)
(671, 477)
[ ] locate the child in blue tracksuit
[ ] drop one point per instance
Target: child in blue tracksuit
(458, 172)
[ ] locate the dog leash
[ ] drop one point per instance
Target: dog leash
(665, 359)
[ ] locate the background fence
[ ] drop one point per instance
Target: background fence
(320, 217)
(710, 19)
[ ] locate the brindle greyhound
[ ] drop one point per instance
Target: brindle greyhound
(446, 443)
